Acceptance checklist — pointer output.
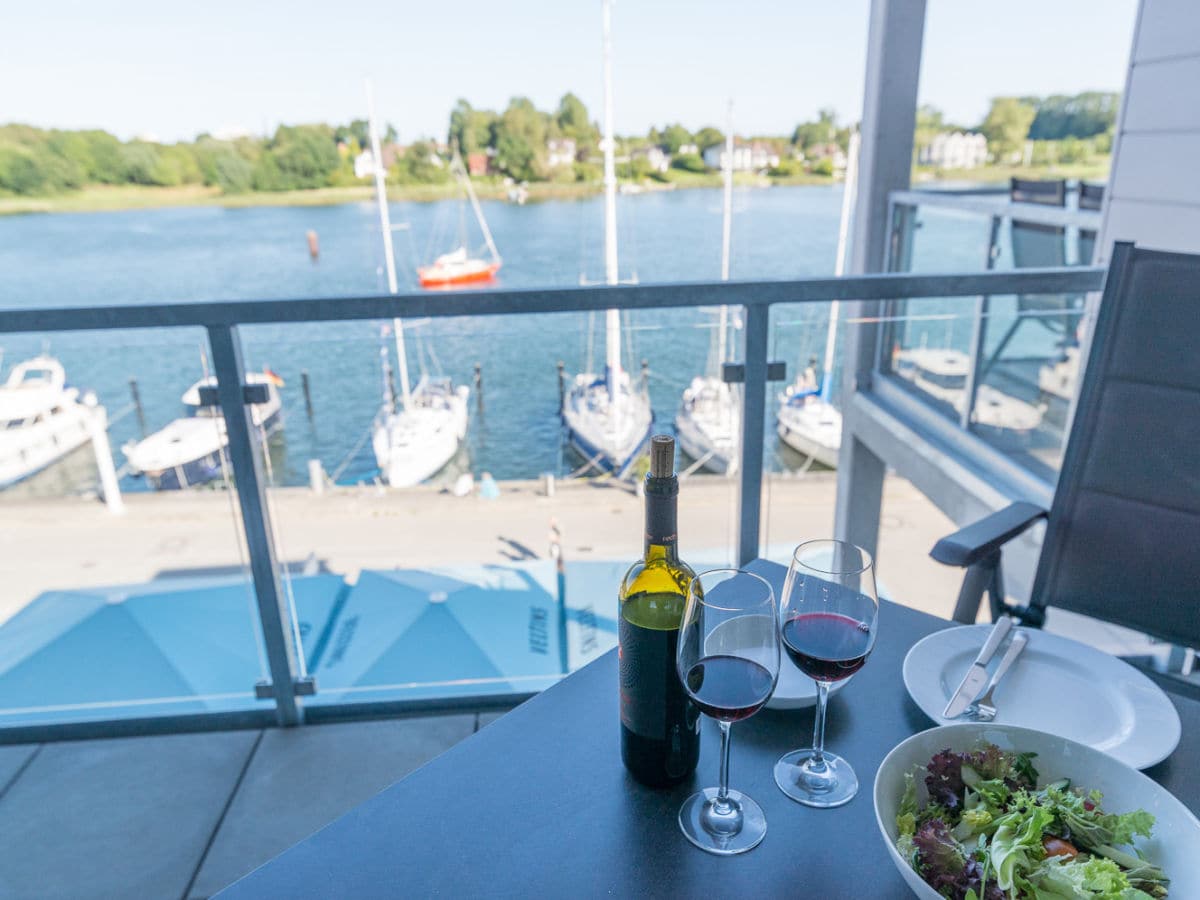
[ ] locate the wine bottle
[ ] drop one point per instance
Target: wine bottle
(660, 727)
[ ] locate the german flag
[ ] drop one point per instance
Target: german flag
(272, 377)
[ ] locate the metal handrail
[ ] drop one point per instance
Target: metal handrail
(223, 318)
(510, 301)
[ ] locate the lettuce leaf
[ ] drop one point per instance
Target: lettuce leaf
(1082, 877)
(1016, 846)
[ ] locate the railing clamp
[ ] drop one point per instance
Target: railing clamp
(735, 373)
(301, 687)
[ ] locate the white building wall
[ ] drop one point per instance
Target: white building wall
(1153, 197)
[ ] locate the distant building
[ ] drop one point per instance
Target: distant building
(560, 152)
(753, 157)
(688, 150)
(659, 161)
(478, 163)
(955, 150)
(364, 163)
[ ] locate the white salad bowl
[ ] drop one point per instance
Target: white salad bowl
(1174, 846)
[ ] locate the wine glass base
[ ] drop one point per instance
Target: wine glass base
(831, 785)
(703, 823)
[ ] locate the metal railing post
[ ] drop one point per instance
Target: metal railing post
(248, 478)
(976, 369)
(754, 408)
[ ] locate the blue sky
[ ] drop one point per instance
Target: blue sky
(172, 70)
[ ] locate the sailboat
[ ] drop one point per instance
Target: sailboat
(414, 438)
(708, 420)
(458, 267)
(808, 422)
(607, 419)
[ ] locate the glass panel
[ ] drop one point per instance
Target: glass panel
(147, 611)
(928, 345)
(494, 568)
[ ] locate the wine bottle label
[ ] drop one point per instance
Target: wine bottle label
(646, 655)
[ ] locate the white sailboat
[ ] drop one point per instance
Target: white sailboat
(191, 450)
(708, 422)
(608, 419)
(414, 440)
(808, 422)
(42, 418)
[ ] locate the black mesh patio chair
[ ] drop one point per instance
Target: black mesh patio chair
(1122, 538)
(1091, 197)
(1036, 245)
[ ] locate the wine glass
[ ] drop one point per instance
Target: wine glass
(728, 661)
(829, 615)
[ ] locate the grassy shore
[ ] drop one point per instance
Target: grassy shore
(102, 198)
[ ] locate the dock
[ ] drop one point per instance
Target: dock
(70, 543)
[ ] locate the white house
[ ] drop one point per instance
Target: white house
(659, 161)
(560, 152)
(955, 150)
(746, 157)
(688, 150)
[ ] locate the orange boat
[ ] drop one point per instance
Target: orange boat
(457, 267)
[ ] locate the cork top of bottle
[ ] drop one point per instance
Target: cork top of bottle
(662, 456)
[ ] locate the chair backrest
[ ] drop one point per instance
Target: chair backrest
(1123, 539)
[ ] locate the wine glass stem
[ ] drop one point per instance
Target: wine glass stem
(722, 803)
(818, 758)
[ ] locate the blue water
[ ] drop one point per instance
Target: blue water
(210, 253)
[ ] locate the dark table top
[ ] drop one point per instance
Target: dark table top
(538, 803)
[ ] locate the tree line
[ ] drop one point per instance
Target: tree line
(37, 161)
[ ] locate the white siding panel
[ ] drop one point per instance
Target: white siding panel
(1174, 228)
(1164, 96)
(1160, 167)
(1168, 28)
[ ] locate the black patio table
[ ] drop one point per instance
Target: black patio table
(538, 804)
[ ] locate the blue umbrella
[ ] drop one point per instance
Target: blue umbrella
(180, 645)
(473, 630)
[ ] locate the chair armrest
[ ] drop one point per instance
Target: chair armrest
(981, 539)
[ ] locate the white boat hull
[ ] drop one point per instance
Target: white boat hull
(707, 425)
(415, 443)
(607, 435)
(813, 428)
(42, 420)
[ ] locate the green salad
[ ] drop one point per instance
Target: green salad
(988, 832)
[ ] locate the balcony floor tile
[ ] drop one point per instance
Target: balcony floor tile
(117, 818)
(301, 779)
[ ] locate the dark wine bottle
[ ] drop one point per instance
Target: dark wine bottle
(660, 726)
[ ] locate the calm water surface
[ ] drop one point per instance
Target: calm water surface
(209, 253)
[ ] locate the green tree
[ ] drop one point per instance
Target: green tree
(470, 128)
(418, 166)
(1079, 116)
(1007, 126)
(140, 163)
(689, 162)
(573, 122)
(822, 131)
(519, 136)
(709, 137)
(823, 166)
(20, 171)
(304, 156)
(673, 137)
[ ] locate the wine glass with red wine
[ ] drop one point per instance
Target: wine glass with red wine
(728, 661)
(828, 621)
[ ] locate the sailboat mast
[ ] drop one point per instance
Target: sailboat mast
(839, 267)
(726, 232)
(483, 225)
(385, 225)
(612, 331)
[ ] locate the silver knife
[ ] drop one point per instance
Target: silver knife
(977, 676)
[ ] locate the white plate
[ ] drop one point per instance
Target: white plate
(1176, 833)
(1058, 686)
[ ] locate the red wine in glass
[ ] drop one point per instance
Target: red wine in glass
(827, 646)
(728, 688)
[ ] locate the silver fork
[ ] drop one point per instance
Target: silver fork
(984, 709)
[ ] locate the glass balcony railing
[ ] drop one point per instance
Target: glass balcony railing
(287, 580)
